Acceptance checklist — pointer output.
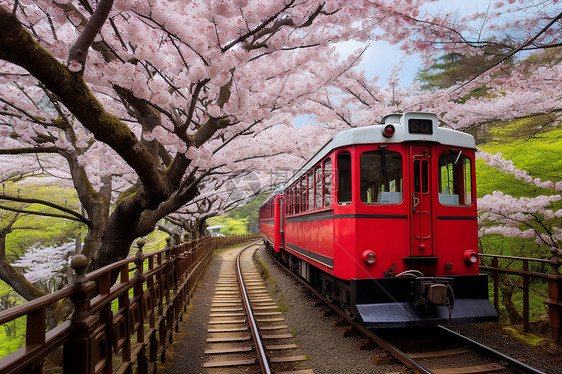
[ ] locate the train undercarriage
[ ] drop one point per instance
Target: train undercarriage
(399, 301)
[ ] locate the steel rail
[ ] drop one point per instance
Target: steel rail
(260, 350)
(384, 344)
(517, 365)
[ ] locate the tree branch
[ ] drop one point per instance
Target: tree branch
(79, 51)
(37, 213)
(19, 47)
(512, 53)
(77, 216)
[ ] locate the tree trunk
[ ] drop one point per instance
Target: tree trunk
(512, 314)
(15, 279)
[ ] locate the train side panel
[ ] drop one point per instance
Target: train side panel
(311, 237)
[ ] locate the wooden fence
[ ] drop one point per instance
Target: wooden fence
(528, 269)
(117, 326)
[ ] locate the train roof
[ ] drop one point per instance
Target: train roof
(409, 126)
(279, 190)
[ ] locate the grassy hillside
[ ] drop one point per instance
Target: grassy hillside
(241, 220)
(531, 147)
(537, 149)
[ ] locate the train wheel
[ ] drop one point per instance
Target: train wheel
(349, 312)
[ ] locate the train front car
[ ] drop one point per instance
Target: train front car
(383, 220)
(414, 204)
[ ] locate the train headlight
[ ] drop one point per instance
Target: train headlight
(470, 257)
(369, 257)
(388, 130)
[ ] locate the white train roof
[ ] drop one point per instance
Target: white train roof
(409, 127)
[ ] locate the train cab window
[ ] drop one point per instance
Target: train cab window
(344, 178)
(381, 177)
(327, 182)
(455, 179)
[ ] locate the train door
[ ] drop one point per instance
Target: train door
(282, 222)
(420, 187)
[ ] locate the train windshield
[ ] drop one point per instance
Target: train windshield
(455, 176)
(381, 174)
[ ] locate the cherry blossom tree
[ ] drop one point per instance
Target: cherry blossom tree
(138, 102)
(46, 266)
(525, 217)
(147, 106)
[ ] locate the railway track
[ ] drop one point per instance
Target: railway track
(427, 350)
(246, 330)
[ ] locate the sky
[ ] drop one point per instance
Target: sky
(382, 57)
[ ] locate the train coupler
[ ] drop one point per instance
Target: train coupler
(434, 291)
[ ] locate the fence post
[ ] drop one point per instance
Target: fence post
(138, 293)
(495, 278)
(525, 296)
(554, 301)
(77, 350)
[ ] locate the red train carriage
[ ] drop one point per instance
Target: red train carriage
(382, 219)
(270, 219)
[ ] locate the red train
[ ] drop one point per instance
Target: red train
(382, 220)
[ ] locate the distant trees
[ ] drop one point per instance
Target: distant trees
(454, 68)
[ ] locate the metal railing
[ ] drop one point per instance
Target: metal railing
(527, 269)
(122, 314)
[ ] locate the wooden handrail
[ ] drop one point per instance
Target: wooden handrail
(107, 326)
(551, 261)
(24, 309)
(554, 279)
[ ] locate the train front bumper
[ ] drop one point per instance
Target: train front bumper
(390, 303)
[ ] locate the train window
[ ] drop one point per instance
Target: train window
(318, 187)
(421, 176)
(455, 179)
(327, 182)
(310, 193)
(297, 198)
(289, 199)
(344, 178)
(292, 202)
(303, 194)
(381, 177)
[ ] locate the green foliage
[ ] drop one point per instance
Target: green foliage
(155, 241)
(490, 179)
(241, 220)
(32, 229)
(12, 336)
(532, 143)
(233, 226)
(249, 211)
(9, 344)
(4, 289)
(452, 68)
